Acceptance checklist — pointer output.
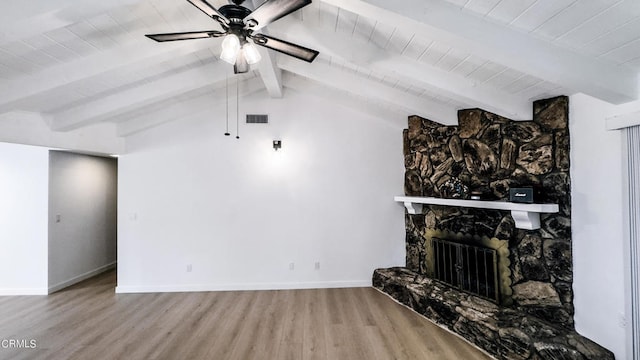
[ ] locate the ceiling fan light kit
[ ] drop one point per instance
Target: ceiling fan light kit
(230, 49)
(240, 25)
(251, 53)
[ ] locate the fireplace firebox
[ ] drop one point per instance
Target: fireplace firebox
(475, 264)
(469, 268)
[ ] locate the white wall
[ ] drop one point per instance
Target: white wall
(598, 237)
(239, 213)
(23, 219)
(82, 193)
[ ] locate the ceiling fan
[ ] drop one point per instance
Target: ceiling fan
(240, 24)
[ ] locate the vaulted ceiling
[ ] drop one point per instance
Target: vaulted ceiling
(76, 63)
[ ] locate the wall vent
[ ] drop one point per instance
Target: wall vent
(257, 119)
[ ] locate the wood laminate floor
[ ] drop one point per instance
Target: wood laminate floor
(90, 321)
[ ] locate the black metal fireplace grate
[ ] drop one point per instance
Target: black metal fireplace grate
(466, 267)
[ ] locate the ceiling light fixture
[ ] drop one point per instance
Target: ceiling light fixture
(240, 26)
(236, 50)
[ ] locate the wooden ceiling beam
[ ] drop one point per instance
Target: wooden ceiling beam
(209, 102)
(375, 90)
(445, 22)
(390, 113)
(370, 57)
(132, 55)
(270, 73)
(127, 100)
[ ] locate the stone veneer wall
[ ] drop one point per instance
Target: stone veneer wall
(490, 154)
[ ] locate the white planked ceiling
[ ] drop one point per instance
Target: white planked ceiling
(606, 29)
(79, 63)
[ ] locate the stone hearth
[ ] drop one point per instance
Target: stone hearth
(488, 154)
(503, 332)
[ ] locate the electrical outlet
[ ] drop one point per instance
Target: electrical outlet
(317, 265)
(292, 266)
(189, 267)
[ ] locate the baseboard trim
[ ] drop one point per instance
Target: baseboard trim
(23, 292)
(242, 287)
(77, 279)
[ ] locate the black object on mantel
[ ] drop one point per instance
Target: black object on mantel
(521, 195)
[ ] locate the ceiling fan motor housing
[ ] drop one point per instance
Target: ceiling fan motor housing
(235, 13)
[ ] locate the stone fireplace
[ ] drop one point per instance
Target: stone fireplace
(531, 316)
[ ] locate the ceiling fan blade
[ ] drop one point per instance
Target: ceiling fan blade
(208, 9)
(185, 35)
(285, 47)
(272, 10)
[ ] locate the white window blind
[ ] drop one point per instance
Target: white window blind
(633, 176)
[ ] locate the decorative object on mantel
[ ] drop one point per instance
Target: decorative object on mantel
(454, 189)
(521, 195)
(526, 216)
(240, 24)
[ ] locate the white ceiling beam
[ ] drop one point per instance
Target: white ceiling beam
(137, 53)
(127, 100)
(445, 22)
(351, 82)
(392, 114)
(158, 115)
(33, 129)
(411, 71)
(24, 19)
(26, 116)
(270, 73)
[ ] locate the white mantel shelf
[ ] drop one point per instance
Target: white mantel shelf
(526, 216)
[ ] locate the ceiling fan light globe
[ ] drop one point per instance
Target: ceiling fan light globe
(229, 56)
(230, 49)
(231, 42)
(251, 53)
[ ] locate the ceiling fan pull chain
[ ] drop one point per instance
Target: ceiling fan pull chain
(237, 107)
(227, 103)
